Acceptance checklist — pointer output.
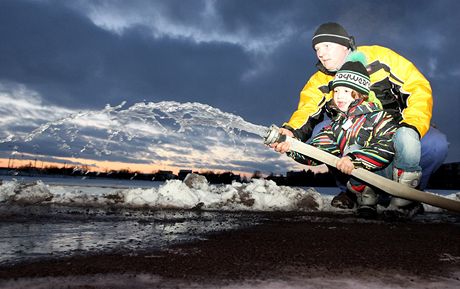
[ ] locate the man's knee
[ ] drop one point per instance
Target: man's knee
(408, 149)
(406, 139)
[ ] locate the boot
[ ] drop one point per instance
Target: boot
(367, 200)
(403, 207)
(344, 200)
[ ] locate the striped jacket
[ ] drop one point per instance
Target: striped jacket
(403, 91)
(364, 134)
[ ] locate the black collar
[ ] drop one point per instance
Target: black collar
(323, 69)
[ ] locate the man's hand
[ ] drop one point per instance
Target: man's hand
(283, 146)
(345, 165)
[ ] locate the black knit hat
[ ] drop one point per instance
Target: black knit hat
(354, 75)
(331, 32)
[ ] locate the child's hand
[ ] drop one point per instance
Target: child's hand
(345, 165)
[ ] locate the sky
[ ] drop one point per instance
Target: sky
(81, 65)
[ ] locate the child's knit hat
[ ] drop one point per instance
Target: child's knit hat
(353, 74)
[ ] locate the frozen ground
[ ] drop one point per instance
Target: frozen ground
(50, 221)
(67, 216)
(374, 280)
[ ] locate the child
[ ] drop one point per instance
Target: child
(360, 131)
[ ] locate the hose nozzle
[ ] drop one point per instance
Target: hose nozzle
(272, 135)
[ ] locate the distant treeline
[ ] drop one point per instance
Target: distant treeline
(300, 178)
(124, 174)
(447, 176)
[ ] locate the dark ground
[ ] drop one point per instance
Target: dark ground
(280, 247)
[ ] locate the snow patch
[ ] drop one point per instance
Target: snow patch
(27, 194)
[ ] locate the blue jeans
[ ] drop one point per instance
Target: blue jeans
(408, 150)
(411, 154)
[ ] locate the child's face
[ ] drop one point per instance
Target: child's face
(343, 97)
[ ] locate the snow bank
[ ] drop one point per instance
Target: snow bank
(193, 193)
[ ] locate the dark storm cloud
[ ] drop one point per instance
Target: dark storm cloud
(71, 62)
(250, 58)
(51, 50)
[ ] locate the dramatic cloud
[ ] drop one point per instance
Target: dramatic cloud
(197, 21)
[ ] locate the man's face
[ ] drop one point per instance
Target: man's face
(331, 55)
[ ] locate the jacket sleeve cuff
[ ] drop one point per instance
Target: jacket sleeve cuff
(287, 126)
(297, 132)
(351, 156)
(354, 160)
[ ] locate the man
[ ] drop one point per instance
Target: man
(402, 90)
